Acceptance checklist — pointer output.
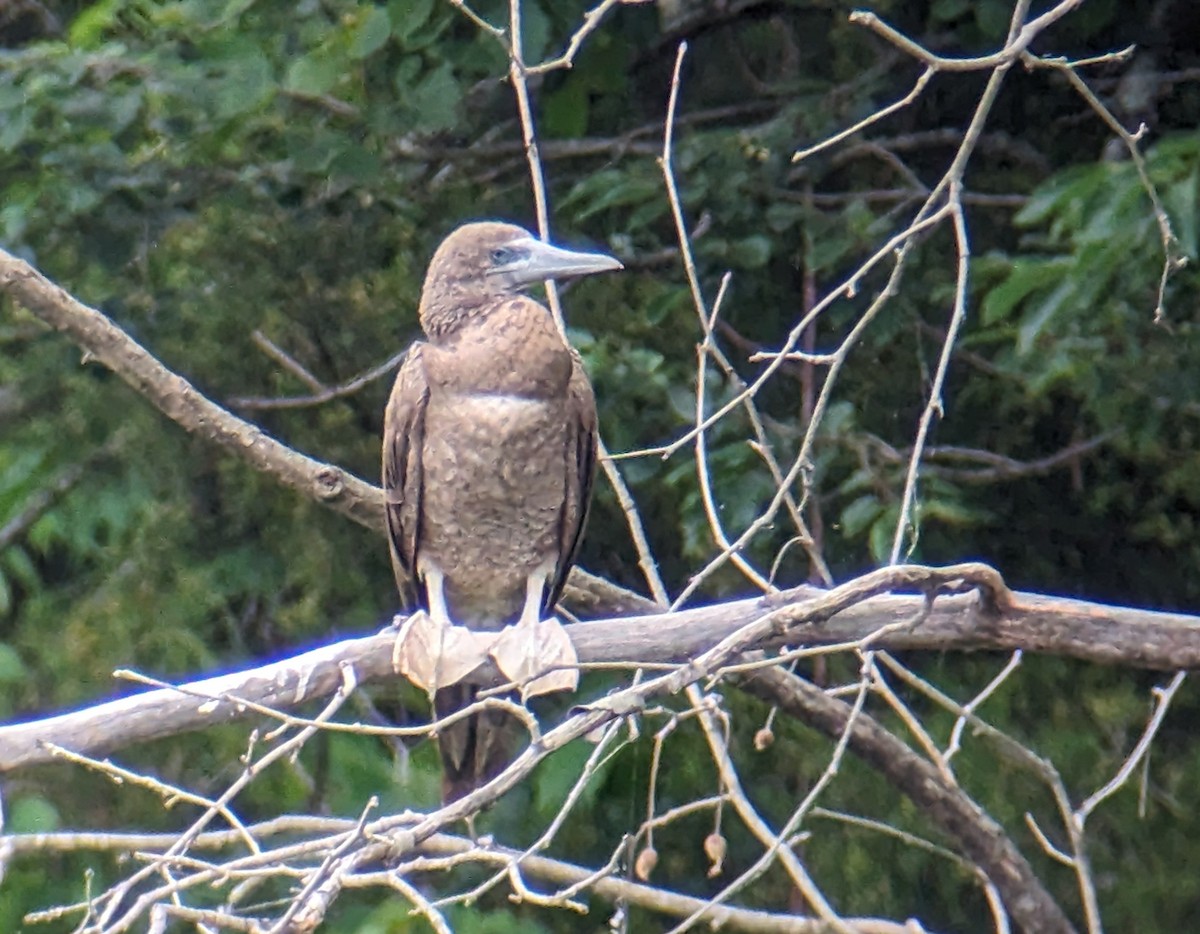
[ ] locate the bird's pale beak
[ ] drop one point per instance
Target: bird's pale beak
(534, 261)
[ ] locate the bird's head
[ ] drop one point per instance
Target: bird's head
(481, 264)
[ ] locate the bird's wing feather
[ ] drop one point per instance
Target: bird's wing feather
(403, 440)
(580, 465)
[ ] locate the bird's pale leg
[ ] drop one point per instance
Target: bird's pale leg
(531, 612)
(535, 645)
(430, 650)
(435, 591)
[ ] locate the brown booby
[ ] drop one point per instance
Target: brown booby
(488, 458)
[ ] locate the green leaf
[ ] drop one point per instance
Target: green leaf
(949, 512)
(830, 245)
(319, 150)
(14, 127)
(783, 215)
(434, 101)
(246, 86)
(13, 218)
(841, 418)
(123, 109)
(658, 308)
(883, 531)
(1025, 277)
(20, 567)
(493, 921)
(356, 164)
(535, 31)
(946, 10)
(313, 74)
(407, 16)
(860, 514)
(1180, 202)
(233, 10)
(88, 28)
(12, 669)
(406, 73)
(31, 814)
(1071, 186)
(565, 111)
(1040, 316)
(608, 188)
(751, 252)
(1112, 216)
(554, 779)
(428, 34)
(12, 95)
(372, 32)
(992, 17)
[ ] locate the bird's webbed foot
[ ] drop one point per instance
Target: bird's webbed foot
(529, 648)
(434, 653)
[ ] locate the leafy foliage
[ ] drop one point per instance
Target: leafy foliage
(203, 170)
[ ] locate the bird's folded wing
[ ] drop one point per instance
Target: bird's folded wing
(403, 440)
(580, 466)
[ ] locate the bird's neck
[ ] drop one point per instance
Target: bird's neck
(511, 348)
(446, 309)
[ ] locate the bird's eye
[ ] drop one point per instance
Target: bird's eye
(502, 255)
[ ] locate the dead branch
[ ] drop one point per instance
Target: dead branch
(347, 857)
(435, 851)
(1049, 625)
(321, 393)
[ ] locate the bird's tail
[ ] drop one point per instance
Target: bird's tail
(475, 749)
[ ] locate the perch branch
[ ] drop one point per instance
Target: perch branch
(1034, 623)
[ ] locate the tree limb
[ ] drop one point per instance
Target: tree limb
(1050, 625)
(611, 888)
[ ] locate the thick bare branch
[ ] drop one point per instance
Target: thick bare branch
(1052, 625)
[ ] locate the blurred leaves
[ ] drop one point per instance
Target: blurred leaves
(202, 169)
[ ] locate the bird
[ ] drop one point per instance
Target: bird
(489, 452)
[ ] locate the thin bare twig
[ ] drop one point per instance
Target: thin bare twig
(1174, 258)
(1162, 701)
(322, 395)
(591, 22)
(287, 361)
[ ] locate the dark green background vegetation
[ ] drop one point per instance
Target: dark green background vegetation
(207, 168)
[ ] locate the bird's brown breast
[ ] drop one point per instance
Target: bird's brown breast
(496, 447)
